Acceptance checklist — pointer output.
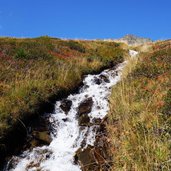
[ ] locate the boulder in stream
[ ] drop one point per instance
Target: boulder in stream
(104, 78)
(85, 106)
(86, 158)
(83, 110)
(66, 105)
(41, 138)
(84, 120)
(97, 81)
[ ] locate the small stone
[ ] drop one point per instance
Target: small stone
(65, 119)
(98, 107)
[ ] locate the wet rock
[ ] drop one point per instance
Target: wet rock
(83, 110)
(97, 81)
(97, 121)
(84, 142)
(98, 107)
(41, 125)
(33, 165)
(86, 96)
(12, 163)
(41, 138)
(48, 156)
(86, 86)
(104, 78)
(41, 155)
(66, 105)
(85, 158)
(85, 107)
(91, 159)
(38, 133)
(95, 157)
(84, 120)
(65, 119)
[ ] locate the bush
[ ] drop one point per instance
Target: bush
(76, 46)
(21, 54)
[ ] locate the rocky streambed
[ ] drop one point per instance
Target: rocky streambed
(77, 130)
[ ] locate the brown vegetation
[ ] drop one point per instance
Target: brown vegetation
(140, 108)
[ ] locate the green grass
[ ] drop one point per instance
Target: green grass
(33, 70)
(140, 108)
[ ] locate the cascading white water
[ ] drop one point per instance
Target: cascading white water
(133, 53)
(67, 135)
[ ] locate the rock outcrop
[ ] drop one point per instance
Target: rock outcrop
(132, 40)
(83, 110)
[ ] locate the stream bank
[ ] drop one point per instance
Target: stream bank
(24, 130)
(74, 125)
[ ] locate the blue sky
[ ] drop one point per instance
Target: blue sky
(86, 19)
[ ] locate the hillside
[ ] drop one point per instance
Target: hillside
(35, 72)
(38, 72)
(140, 113)
(132, 40)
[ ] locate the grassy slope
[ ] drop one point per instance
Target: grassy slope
(140, 115)
(32, 70)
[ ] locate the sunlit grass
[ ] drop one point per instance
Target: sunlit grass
(139, 129)
(33, 70)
